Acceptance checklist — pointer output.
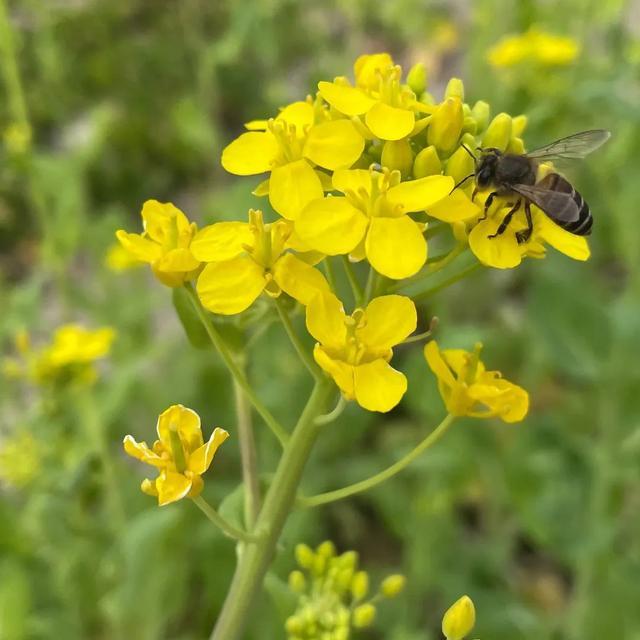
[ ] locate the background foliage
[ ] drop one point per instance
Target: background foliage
(133, 99)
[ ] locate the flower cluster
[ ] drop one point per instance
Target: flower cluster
(69, 358)
(333, 594)
(179, 454)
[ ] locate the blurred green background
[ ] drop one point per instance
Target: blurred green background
(134, 99)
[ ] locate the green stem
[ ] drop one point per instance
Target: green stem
(353, 281)
(329, 272)
(447, 282)
(418, 337)
(256, 558)
(389, 472)
(226, 527)
(248, 456)
(305, 356)
(370, 287)
(234, 369)
(335, 413)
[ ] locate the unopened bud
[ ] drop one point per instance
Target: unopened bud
(392, 585)
(348, 560)
(327, 549)
(397, 154)
(304, 556)
(294, 625)
(427, 163)
(297, 582)
(341, 634)
(519, 124)
(498, 133)
(445, 125)
(459, 619)
(481, 111)
(516, 146)
(455, 89)
(470, 125)
(364, 615)
(460, 165)
(417, 78)
(360, 585)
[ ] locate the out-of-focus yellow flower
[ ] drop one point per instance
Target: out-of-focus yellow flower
(355, 350)
(17, 137)
(534, 46)
(371, 219)
(459, 619)
(118, 259)
(389, 107)
(164, 244)
(468, 389)
(20, 459)
(247, 259)
(180, 454)
(290, 146)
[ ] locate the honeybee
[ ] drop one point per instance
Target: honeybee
(516, 174)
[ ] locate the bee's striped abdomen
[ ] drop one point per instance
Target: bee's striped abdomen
(580, 225)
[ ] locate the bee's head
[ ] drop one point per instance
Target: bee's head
(486, 167)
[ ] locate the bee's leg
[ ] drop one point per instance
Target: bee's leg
(524, 234)
(488, 202)
(506, 220)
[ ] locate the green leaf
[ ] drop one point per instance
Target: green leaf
(196, 333)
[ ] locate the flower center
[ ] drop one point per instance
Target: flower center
(354, 350)
(177, 449)
(290, 139)
(374, 202)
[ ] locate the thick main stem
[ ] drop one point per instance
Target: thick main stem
(254, 562)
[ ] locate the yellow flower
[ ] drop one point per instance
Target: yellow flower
(445, 126)
(20, 459)
(535, 46)
(247, 259)
(371, 219)
(164, 243)
(469, 390)
(290, 146)
(117, 258)
(389, 107)
(180, 454)
(459, 619)
(355, 350)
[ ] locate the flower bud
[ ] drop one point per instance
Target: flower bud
(364, 615)
(427, 163)
(297, 582)
(481, 111)
(427, 98)
(498, 133)
(294, 625)
(348, 560)
(304, 556)
(515, 146)
(397, 154)
(459, 619)
(460, 165)
(360, 585)
(470, 125)
(455, 89)
(341, 634)
(392, 585)
(519, 124)
(445, 125)
(319, 565)
(327, 549)
(417, 78)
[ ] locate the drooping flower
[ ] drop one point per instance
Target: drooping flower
(371, 219)
(180, 454)
(355, 350)
(468, 389)
(290, 146)
(534, 46)
(164, 244)
(246, 259)
(459, 619)
(389, 108)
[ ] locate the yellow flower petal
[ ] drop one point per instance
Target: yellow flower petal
(299, 114)
(334, 145)
(140, 248)
(367, 69)
(352, 180)
(256, 125)
(389, 320)
(347, 100)
(331, 225)
(325, 320)
(187, 423)
(251, 153)
(341, 372)
(395, 247)
(502, 252)
(172, 487)
(457, 206)
(230, 287)
(299, 279)
(221, 241)
(389, 123)
(575, 247)
(180, 260)
(200, 460)
(437, 363)
(378, 386)
(418, 195)
(292, 186)
(141, 451)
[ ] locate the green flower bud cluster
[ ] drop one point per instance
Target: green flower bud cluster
(334, 594)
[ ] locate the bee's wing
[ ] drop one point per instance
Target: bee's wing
(575, 146)
(558, 205)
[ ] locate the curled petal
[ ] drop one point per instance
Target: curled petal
(389, 320)
(172, 487)
(187, 423)
(341, 372)
(347, 100)
(389, 123)
(200, 460)
(334, 145)
(251, 153)
(221, 241)
(437, 364)
(298, 278)
(292, 186)
(177, 260)
(378, 386)
(326, 320)
(140, 248)
(141, 451)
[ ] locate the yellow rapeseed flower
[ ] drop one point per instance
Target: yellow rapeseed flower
(355, 350)
(180, 454)
(468, 389)
(246, 259)
(164, 244)
(459, 619)
(534, 46)
(371, 219)
(389, 107)
(290, 146)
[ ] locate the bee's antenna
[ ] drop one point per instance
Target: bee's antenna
(464, 146)
(471, 175)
